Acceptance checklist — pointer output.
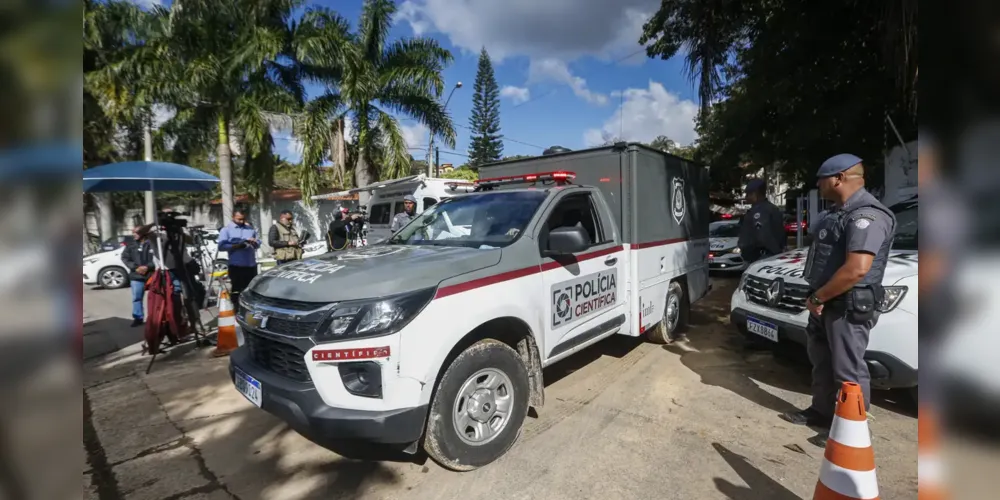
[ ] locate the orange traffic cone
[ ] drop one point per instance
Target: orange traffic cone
(930, 476)
(226, 341)
(848, 468)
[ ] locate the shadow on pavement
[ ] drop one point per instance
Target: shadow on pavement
(759, 485)
(616, 346)
(719, 356)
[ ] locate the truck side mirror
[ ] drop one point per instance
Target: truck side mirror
(568, 240)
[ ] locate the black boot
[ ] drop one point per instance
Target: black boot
(808, 417)
(137, 322)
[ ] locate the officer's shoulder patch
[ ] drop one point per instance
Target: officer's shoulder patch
(862, 222)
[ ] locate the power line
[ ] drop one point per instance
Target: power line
(505, 138)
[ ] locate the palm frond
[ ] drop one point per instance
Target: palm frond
(374, 25)
(395, 153)
(415, 60)
(414, 101)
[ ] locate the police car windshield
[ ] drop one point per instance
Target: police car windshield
(724, 230)
(487, 220)
(907, 225)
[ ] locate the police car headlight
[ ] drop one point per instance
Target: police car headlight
(374, 318)
(893, 296)
(736, 250)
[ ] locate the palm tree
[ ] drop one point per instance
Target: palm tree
(229, 68)
(369, 79)
(707, 29)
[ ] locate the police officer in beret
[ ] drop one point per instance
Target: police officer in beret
(403, 218)
(762, 232)
(844, 269)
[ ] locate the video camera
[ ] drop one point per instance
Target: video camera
(172, 221)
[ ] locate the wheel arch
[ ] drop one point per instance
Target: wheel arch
(517, 334)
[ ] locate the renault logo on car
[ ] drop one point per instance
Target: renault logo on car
(773, 293)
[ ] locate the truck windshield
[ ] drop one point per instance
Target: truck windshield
(487, 220)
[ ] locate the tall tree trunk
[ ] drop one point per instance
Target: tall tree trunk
(362, 177)
(150, 200)
(225, 158)
(342, 152)
(105, 214)
(264, 201)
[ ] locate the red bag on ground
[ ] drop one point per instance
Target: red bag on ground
(163, 312)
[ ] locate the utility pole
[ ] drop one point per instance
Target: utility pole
(147, 140)
(437, 161)
(431, 161)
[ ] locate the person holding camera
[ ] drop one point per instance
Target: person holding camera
(338, 236)
(239, 240)
(284, 239)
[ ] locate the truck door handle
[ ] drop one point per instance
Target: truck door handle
(610, 261)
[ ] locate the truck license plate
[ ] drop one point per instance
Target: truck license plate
(249, 387)
(762, 328)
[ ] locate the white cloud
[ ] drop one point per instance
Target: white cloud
(516, 94)
(541, 70)
(646, 114)
(553, 30)
(416, 137)
(565, 29)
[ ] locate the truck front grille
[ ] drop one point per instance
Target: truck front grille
(793, 300)
(282, 358)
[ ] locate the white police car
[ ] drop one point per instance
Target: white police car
(770, 303)
(723, 254)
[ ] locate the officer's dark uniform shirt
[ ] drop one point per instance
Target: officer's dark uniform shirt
(862, 224)
(762, 230)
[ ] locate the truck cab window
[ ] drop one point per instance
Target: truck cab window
(429, 202)
(380, 214)
(397, 208)
(575, 210)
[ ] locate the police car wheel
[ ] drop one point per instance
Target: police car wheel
(673, 315)
(478, 408)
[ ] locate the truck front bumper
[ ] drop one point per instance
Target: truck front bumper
(887, 371)
(300, 405)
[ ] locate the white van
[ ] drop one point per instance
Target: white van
(387, 198)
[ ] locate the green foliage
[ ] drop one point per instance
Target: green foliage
(486, 145)
(461, 173)
(793, 91)
(367, 79)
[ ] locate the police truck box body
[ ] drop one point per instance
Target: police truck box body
(438, 336)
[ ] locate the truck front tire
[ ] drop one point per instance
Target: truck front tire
(674, 316)
(479, 407)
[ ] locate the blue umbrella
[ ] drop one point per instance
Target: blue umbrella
(146, 176)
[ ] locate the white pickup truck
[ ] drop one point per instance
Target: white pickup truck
(438, 336)
(770, 303)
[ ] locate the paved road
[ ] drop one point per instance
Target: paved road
(624, 419)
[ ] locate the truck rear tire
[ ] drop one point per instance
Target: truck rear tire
(479, 407)
(674, 316)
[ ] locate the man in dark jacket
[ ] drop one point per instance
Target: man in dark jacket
(762, 232)
(138, 257)
(338, 235)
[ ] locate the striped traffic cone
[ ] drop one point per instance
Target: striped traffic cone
(226, 341)
(930, 473)
(848, 468)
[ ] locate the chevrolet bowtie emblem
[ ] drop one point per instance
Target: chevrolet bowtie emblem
(257, 319)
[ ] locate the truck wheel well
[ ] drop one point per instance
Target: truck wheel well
(515, 333)
(685, 302)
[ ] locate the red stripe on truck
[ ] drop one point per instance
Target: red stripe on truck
(518, 273)
(548, 266)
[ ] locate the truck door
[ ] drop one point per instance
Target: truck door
(586, 292)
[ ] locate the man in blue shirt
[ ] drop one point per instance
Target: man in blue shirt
(239, 239)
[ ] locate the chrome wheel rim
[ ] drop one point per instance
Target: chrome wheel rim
(483, 406)
(112, 278)
(673, 312)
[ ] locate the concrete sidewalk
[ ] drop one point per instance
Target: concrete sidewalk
(624, 419)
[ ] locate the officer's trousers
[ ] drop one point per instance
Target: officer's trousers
(837, 352)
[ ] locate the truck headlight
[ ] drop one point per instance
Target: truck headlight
(373, 318)
(893, 296)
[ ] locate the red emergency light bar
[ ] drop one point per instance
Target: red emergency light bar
(560, 176)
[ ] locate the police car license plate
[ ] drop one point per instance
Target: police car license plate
(762, 328)
(249, 387)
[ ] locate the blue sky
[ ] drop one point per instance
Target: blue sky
(571, 72)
